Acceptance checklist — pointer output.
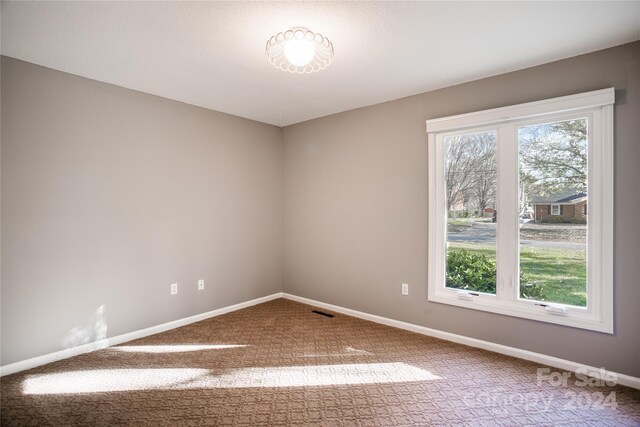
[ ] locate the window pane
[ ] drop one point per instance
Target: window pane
(553, 223)
(470, 168)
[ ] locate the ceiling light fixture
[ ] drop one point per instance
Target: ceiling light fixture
(299, 50)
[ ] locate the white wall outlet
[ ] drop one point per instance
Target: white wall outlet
(200, 284)
(174, 288)
(405, 289)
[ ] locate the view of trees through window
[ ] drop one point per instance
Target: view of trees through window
(471, 179)
(552, 217)
(553, 199)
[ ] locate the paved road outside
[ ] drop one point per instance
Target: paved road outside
(485, 233)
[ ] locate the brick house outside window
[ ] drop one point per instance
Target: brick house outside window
(561, 207)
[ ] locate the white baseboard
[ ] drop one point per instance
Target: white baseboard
(543, 359)
(119, 339)
(567, 365)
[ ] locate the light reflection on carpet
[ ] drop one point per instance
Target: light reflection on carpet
(109, 380)
(173, 348)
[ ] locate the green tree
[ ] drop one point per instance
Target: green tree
(470, 170)
(554, 157)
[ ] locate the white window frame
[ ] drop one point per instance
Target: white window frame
(557, 209)
(597, 107)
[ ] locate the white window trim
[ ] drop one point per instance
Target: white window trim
(598, 107)
(557, 208)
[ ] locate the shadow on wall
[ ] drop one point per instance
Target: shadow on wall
(91, 330)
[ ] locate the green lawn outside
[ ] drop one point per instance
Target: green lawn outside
(560, 275)
(462, 222)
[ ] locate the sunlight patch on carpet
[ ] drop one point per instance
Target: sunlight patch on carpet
(348, 351)
(108, 380)
(319, 375)
(105, 380)
(173, 348)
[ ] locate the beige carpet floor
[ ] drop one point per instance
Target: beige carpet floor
(278, 363)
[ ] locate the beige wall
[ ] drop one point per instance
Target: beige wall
(355, 224)
(110, 195)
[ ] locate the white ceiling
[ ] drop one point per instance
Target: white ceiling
(211, 54)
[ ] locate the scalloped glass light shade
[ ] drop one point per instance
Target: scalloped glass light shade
(299, 50)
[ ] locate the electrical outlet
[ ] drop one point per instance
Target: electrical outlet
(174, 288)
(200, 284)
(405, 289)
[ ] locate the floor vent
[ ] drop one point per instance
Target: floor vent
(322, 313)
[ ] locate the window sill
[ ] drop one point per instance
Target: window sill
(575, 317)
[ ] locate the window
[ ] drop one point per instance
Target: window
(555, 265)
